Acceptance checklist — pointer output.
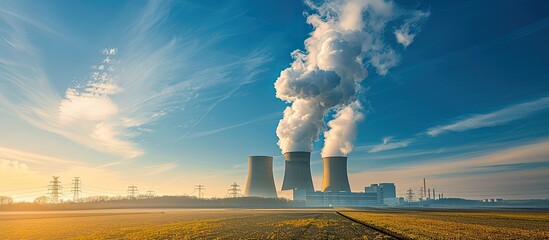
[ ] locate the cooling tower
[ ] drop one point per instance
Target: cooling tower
(297, 173)
(260, 181)
(335, 175)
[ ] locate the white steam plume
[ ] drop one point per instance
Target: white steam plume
(339, 140)
(347, 35)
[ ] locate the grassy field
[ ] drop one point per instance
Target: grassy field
(272, 224)
(440, 224)
(183, 224)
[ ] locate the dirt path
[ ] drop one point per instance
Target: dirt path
(335, 226)
(374, 228)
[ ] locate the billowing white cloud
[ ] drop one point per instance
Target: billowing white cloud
(82, 107)
(347, 35)
(93, 102)
(495, 118)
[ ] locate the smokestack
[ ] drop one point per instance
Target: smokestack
(335, 175)
(260, 181)
(424, 189)
(297, 172)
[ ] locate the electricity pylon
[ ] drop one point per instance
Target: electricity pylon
(201, 188)
(234, 191)
(76, 190)
(55, 190)
(410, 195)
(132, 191)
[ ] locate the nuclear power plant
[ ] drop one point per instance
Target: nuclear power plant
(335, 175)
(260, 181)
(297, 171)
(335, 191)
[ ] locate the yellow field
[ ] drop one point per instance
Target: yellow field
(457, 225)
(271, 224)
(184, 224)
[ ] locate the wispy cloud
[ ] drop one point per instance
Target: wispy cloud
(109, 164)
(17, 155)
(388, 144)
(450, 174)
(12, 164)
(249, 67)
(267, 117)
(496, 118)
(155, 72)
(32, 22)
(407, 32)
(160, 168)
(470, 150)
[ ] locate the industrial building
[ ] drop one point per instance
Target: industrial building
(341, 199)
(383, 191)
(375, 194)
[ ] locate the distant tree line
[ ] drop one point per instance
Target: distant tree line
(106, 202)
(6, 200)
(540, 203)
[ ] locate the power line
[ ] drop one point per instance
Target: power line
(90, 193)
(100, 189)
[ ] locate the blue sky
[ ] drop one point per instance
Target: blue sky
(191, 94)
